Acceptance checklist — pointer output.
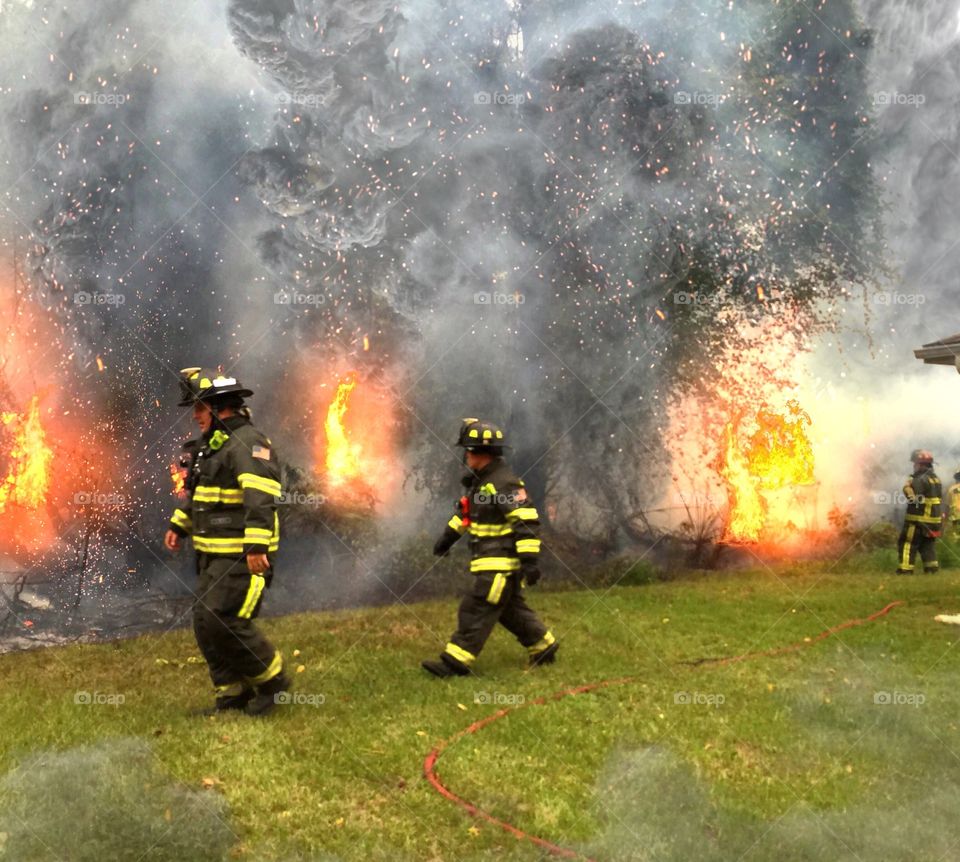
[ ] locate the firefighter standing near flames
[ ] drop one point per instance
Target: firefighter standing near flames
(503, 525)
(230, 514)
(921, 526)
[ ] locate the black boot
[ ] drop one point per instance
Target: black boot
(546, 656)
(268, 695)
(227, 703)
(443, 668)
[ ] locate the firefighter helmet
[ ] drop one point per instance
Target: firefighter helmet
(208, 384)
(921, 456)
(480, 434)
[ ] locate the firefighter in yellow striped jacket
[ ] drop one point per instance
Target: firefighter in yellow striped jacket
(503, 527)
(921, 525)
(231, 517)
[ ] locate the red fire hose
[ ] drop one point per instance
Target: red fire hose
(430, 763)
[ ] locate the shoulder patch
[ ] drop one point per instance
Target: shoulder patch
(260, 452)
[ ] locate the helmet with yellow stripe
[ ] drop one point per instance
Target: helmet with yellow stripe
(480, 435)
(211, 386)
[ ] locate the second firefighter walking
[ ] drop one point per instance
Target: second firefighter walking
(503, 526)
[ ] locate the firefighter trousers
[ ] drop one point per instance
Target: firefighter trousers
(495, 597)
(227, 601)
(917, 539)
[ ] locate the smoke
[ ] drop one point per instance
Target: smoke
(655, 806)
(108, 801)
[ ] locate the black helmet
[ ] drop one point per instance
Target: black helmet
(207, 384)
(477, 434)
(921, 456)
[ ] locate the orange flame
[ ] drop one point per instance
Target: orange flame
(178, 475)
(343, 455)
(777, 458)
(28, 476)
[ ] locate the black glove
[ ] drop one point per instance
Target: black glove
(442, 546)
(530, 572)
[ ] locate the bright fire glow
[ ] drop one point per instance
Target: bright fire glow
(762, 473)
(343, 455)
(29, 456)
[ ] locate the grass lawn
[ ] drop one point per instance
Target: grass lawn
(790, 757)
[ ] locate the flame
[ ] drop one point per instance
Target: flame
(28, 470)
(343, 455)
(178, 475)
(763, 475)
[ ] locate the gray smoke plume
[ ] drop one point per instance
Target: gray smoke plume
(553, 215)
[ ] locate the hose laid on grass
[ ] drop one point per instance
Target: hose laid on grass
(430, 763)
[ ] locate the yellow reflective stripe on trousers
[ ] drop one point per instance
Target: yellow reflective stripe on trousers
(528, 546)
(496, 588)
(273, 670)
(181, 519)
(908, 541)
(259, 483)
(542, 644)
(922, 519)
(460, 654)
(257, 583)
(215, 494)
(495, 564)
(490, 530)
(218, 546)
(524, 513)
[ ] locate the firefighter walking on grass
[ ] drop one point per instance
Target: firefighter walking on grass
(503, 525)
(921, 526)
(231, 516)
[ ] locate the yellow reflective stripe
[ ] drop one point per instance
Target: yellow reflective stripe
(218, 546)
(257, 583)
(181, 519)
(253, 533)
(908, 541)
(922, 519)
(494, 564)
(528, 546)
(488, 489)
(542, 644)
(490, 530)
(460, 654)
(524, 513)
(496, 588)
(259, 483)
(213, 494)
(456, 523)
(273, 670)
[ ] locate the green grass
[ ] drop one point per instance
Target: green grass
(797, 762)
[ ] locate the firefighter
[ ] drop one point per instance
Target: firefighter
(953, 506)
(503, 525)
(921, 526)
(230, 514)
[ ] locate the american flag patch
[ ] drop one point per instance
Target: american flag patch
(261, 452)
